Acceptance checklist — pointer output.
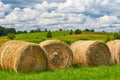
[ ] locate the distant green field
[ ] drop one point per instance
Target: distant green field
(63, 36)
(82, 73)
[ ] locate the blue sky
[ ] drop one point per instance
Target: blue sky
(54, 14)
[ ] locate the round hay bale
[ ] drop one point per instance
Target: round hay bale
(0, 56)
(23, 56)
(90, 53)
(114, 47)
(58, 54)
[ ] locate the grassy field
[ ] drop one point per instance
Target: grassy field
(82, 73)
(63, 36)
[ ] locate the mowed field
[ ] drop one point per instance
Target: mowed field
(63, 36)
(111, 72)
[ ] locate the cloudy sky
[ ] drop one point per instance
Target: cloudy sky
(100, 15)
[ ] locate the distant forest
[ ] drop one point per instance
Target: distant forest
(5, 31)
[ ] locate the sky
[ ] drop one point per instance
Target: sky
(100, 15)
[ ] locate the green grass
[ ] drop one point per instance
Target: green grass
(63, 36)
(81, 73)
(39, 36)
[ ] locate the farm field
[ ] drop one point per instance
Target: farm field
(63, 36)
(59, 39)
(111, 72)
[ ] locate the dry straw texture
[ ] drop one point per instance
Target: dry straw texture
(58, 54)
(0, 55)
(114, 47)
(22, 56)
(90, 53)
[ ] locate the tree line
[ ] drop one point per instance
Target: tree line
(10, 32)
(4, 31)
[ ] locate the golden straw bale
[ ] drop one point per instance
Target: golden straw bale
(114, 47)
(0, 55)
(23, 56)
(0, 51)
(58, 54)
(90, 53)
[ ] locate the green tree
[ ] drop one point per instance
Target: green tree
(116, 35)
(49, 34)
(71, 32)
(78, 31)
(11, 30)
(46, 30)
(32, 31)
(11, 36)
(60, 30)
(86, 30)
(4, 31)
(92, 30)
(107, 39)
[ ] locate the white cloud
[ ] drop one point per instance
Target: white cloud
(108, 19)
(72, 6)
(93, 14)
(25, 14)
(2, 15)
(45, 5)
(4, 8)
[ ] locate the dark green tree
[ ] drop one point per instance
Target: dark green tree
(49, 34)
(78, 31)
(38, 30)
(107, 39)
(32, 31)
(4, 31)
(116, 35)
(11, 30)
(86, 30)
(19, 32)
(60, 30)
(92, 30)
(71, 32)
(11, 36)
(46, 30)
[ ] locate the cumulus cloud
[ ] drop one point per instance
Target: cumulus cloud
(108, 19)
(2, 15)
(4, 8)
(46, 7)
(28, 3)
(71, 14)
